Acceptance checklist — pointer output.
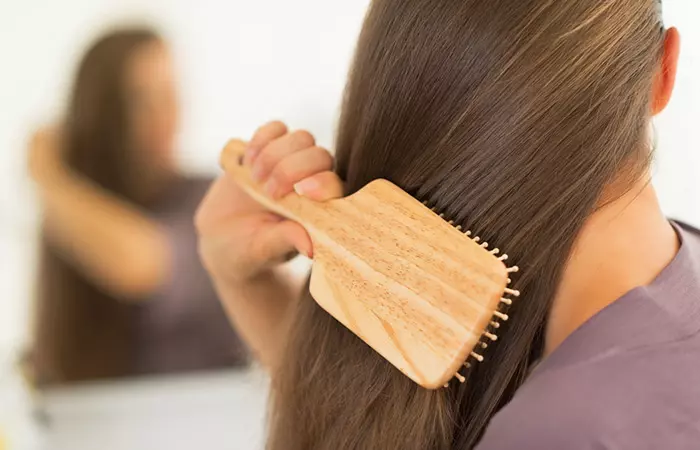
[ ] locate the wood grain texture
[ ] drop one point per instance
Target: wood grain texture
(414, 288)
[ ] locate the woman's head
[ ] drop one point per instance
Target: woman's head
(512, 117)
(123, 113)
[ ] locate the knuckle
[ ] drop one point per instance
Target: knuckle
(265, 160)
(325, 159)
(277, 125)
(269, 131)
(303, 138)
(283, 175)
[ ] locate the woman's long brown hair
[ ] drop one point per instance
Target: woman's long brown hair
(81, 331)
(511, 116)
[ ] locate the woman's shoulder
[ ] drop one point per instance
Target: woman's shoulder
(626, 379)
(647, 398)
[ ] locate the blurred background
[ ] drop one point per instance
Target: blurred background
(235, 65)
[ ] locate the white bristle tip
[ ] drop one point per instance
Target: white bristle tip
(485, 245)
(483, 345)
(512, 292)
(467, 365)
(500, 315)
(446, 385)
(477, 356)
(491, 336)
(507, 301)
(495, 251)
(460, 377)
(513, 269)
(468, 233)
(477, 239)
(503, 257)
(459, 227)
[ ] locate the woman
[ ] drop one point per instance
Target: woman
(121, 291)
(527, 122)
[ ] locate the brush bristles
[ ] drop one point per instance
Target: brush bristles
(500, 315)
(477, 356)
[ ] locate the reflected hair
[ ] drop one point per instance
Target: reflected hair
(512, 117)
(81, 332)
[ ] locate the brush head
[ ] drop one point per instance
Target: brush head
(413, 287)
(418, 291)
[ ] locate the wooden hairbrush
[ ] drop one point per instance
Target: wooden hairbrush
(419, 291)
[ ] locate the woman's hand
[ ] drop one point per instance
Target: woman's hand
(241, 240)
(45, 159)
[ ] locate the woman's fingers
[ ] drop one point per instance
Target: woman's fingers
(295, 168)
(276, 242)
(321, 187)
(262, 137)
(282, 147)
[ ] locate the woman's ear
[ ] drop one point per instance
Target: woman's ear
(665, 79)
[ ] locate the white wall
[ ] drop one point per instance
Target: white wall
(677, 172)
(242, 63)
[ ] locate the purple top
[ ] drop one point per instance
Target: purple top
(183, 326)
(629, 378)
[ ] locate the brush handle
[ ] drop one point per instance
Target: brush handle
(292, 206)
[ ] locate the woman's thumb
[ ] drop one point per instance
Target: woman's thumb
(283, 238)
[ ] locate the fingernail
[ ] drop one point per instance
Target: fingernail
(305, 186)
(308, 253)
(271, 188)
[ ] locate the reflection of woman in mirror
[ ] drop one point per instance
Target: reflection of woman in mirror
(121, 289)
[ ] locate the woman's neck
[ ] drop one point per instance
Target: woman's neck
(623, 245)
